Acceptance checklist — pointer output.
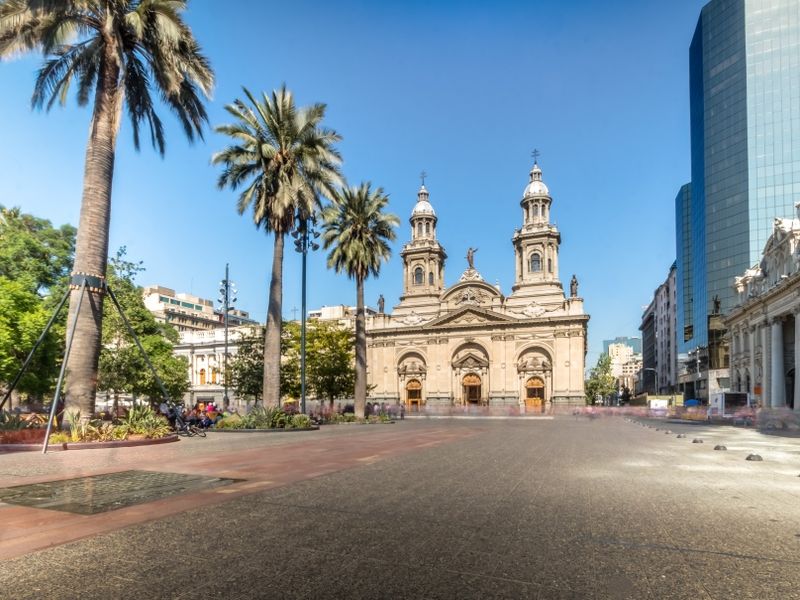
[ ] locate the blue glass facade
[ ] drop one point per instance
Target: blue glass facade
(744, 80)
(684, 265)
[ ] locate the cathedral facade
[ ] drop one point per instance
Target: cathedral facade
(468, 344)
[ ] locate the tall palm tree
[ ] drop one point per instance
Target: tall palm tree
(286, 161)
(358, 233)
(120, 52)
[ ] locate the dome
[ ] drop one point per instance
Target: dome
(423, 207)
(536, 187)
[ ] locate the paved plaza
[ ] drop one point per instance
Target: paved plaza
(561, 508)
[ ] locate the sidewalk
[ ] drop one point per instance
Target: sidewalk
(261, 462)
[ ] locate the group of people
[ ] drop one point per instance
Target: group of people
(201, 414)
(393, 410)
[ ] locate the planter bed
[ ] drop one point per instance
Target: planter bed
(62, 446)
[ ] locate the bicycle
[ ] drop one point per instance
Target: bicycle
(184, 428)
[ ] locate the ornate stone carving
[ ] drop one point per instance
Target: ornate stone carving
(414, 319)
(533, 310)
(471, 296)
(470, 275)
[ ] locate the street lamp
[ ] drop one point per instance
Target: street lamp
(227, 297)
(302, 231)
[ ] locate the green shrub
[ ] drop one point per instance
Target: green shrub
(12, 422)
(59, 437)
(231, 422)
(143, 420)
(300, 421)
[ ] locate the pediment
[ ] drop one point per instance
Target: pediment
(471, 361)
(470, 316)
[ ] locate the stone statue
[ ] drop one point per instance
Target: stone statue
(471, 257)
(573, 287)
(381, 304)
(716, 305)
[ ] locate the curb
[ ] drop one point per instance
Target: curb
(64, 446)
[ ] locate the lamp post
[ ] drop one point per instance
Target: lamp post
(302, 244)
(227, 291)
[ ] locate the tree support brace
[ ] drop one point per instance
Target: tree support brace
(82, 282)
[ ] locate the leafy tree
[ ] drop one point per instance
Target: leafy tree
(22, 319)
(329, 360)
(121, 52)
(358, 233)
(291, 385)
(246, 368)
(123, 369)
(34, 262)
(285, 160)
(601, 382)
(33, 252)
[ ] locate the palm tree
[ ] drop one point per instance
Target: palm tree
(286, 161)
(120, 52)
(359, 232)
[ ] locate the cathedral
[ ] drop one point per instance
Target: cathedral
(468, 344)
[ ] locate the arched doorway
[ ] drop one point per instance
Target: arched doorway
(472, 388)
(414, 395)
(534, 395)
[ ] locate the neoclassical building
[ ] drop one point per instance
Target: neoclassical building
(765, 325)
(468, 344)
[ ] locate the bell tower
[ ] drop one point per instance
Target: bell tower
(536, 243)
(423, 257)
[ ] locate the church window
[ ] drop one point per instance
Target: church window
(535, 210)
(430, 278)
(418, 276)
(419, 229)
(202, 376)
(536, 263)
(427, 228)
(549, 265)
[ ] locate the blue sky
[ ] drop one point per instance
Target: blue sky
(463, 90)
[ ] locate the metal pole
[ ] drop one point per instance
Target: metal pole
(63, 369)
(303, 323)
(225, 308)
(138, 344)
(35, 346)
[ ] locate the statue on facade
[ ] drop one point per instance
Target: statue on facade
(381, 304)
(716, 305)
(573, 287)
(471, 257)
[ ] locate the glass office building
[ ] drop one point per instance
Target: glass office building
(744, 79)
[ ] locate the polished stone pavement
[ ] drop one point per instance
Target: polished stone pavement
(564, 508)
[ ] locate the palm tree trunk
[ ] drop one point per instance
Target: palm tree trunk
(91, 248)
(361, 350)
(272, 337)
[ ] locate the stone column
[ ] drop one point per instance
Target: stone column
(778, 384)
(766, 362)
(752, 349)
(797, 362)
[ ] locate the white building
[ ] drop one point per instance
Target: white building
(188, 312)
(205, 351)
(764, 326)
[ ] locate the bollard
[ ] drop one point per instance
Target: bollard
(720, 447)
(754, 457)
